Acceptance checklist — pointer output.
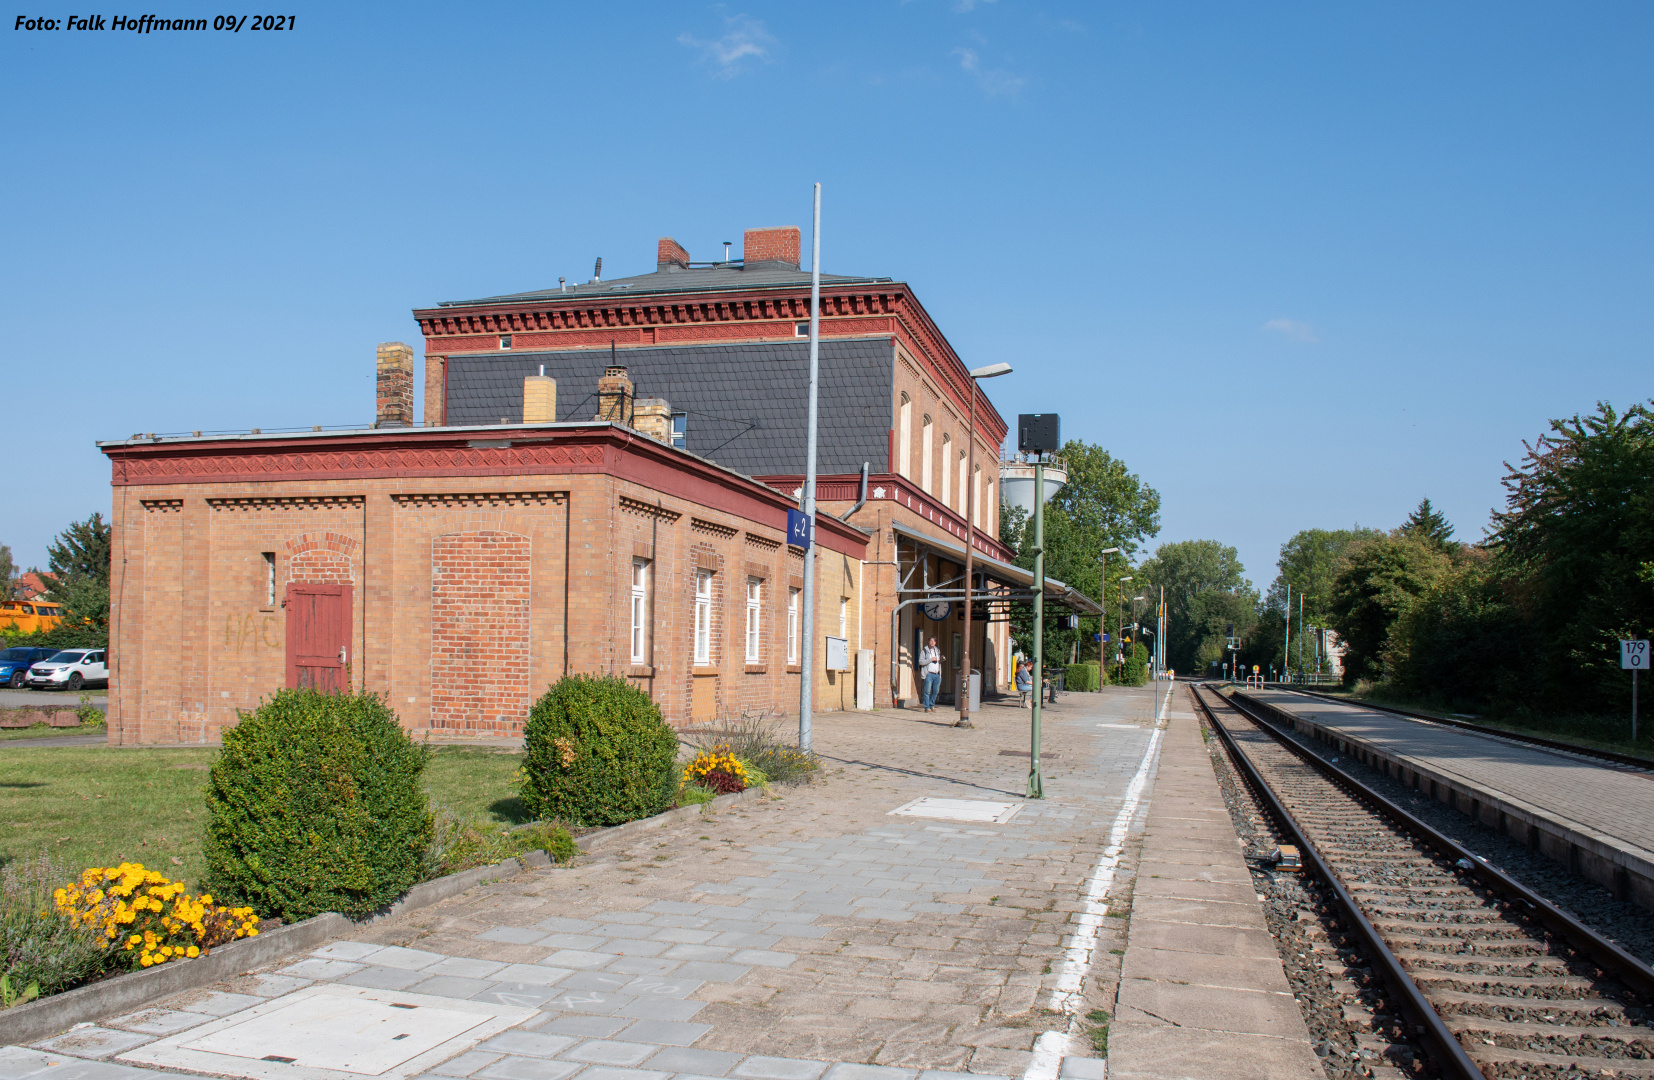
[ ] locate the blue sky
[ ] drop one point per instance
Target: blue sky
(1299, 265)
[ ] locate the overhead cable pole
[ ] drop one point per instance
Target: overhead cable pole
(807, 616)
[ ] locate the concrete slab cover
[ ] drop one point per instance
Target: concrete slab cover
(997, 813)
(334, 1032)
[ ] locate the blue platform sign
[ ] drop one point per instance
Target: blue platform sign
(1099, 637)
(800, 529)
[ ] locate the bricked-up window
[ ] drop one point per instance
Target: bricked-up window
(703, 617)
(904, 439)
(269, 578)
(792, 626)
(755, 600)
(924, 453)
(947, 474)
(640, 610)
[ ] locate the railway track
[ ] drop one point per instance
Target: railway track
(1500, 983)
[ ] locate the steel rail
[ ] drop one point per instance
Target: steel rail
(1448, 1051)
(1482, 729)
(1632, 971)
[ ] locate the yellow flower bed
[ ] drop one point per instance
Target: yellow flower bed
(149, 917)
(718, 759)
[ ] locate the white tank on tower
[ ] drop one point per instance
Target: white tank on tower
(1016, 481)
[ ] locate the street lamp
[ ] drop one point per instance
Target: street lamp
(1102, 617)
(992, 371)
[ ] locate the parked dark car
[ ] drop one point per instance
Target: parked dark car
(14, 663)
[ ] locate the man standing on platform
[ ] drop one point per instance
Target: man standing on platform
(930, 665)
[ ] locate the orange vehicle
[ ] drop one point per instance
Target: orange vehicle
(27, 616)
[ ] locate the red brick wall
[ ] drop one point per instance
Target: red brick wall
(480, 592)
(320, 558)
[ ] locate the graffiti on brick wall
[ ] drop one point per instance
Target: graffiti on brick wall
(251, 632)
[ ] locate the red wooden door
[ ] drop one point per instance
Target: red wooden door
(318, 636)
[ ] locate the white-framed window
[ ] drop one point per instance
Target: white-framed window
(904, 438)
(925, 453)
(703, 617)
(963, 509)
(976, 493)
(792, 626)
(755, 610)
(947, 473)
(844, 617)
(680, 430)
(640, 610)
(505, 341)
(988, 511)
(269, 578)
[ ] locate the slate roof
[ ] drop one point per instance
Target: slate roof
(676, 279)
(746, 404)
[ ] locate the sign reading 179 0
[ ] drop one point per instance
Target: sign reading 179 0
(1634, 655)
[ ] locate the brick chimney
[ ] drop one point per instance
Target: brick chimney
(775, 246)
(670, 253)
(614, 396)
(539, 398)
(395, 386)
(653, 418)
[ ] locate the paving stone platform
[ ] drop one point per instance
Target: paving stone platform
(1202, 990)
(811, 935)
(1595, 816)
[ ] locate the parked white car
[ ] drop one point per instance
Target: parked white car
(71, 669)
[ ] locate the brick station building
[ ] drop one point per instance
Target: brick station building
(600, 484)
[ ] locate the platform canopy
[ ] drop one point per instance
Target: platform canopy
(1012, 576)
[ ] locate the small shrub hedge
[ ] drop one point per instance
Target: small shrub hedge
(317, 804)
(1082, 676)
(598, 753)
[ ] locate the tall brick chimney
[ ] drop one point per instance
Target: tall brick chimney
(615, 402)
(395, 386)
(775, 246)
(670, 253)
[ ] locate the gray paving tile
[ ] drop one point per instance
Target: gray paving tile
(159, 1021)
(763, 958)
(578, 958)
(17, 1063)
(450, 986)
(654, 1008)
(383, 978)
(610, 1072)
(609, 1052)
(774, 1068)
(644, 965)
(527, 1044)
(465, 967)
(1079, 1068)
(94, 1042)
(674, 907)
(698, 952)
(746, 941)
(661, 986)
(408, 959)
(527, 995)
(633, 917)
(319, 969)
(707, 971)
(845, 1070)
(596, 980)
(682, 1059)
(466, 1064)
(591, 1001)
(571, 941)
(347, 950)
(526, 1068)
(270, 986)
(585, 1027)
(684, 935)
(636, 947)
(943, 1074)
(219, 1003)
(540, 974)
(512, 935)
(666, 1032)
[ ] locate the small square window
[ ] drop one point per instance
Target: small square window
(680, 429)
(801, 329)
(505, 341)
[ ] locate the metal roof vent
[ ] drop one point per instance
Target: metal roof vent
(597, 271)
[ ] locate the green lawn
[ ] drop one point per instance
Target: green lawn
(99, 806)
(46, 731)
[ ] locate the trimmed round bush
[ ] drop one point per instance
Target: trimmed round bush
(598, 753)
(317, 804)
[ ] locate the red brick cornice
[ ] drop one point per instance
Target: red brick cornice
(446, 452)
